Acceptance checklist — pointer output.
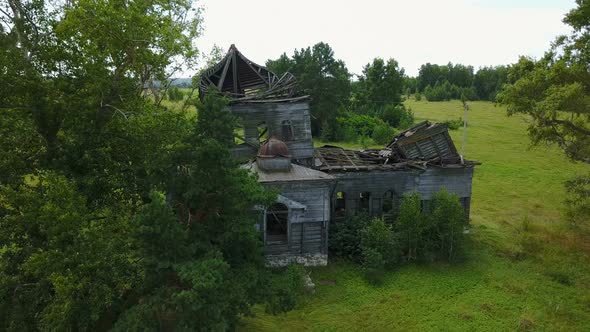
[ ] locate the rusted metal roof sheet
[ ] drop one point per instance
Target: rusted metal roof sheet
(424, 145)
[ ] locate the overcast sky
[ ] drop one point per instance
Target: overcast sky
(471, 32)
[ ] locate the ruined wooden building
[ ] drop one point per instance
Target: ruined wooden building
(320, 185)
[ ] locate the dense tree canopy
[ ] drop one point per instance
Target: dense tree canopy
(116, 212)
(321, 76)
(81, 72)
(488, 81)
(380, 84)
(458, 74)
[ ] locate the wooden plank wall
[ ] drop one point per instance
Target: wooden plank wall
(427, 183)
(273, 115)
(307, 232)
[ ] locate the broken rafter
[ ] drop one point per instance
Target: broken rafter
(249, 81)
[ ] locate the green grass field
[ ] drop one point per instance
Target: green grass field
(525, 268)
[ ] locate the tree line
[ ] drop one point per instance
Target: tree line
(339, 100)
(451, 81)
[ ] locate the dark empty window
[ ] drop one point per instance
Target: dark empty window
(277, 223)
(340, 205)
(364, 201)
(390, 206)
(287, 130)
(426, 205)
(388, 201)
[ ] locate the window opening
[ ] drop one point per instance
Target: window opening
(277, 223)
(239, 134)
(364, 201)
(262, 132)
(287, 130)
(340, 205)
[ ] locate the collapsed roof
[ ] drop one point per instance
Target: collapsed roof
(245, 81)
(423, 145)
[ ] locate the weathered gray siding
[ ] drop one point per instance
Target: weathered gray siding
(427, 183)
(454, 180)
(307, 229)
(273, 115)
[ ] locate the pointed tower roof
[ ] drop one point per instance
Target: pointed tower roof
(242, 79)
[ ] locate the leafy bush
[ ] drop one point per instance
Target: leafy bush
(383, 134)
(285, 288)
(418, 96)
(396, 115)
(410, 222)
(454, 124)
(360, 124)
(449, 219)
(378, 237)
(175, 94)
(433, 233)
(330, 131)
(380, 249)
(345, 237)
(447, 91)
(354, 127)
(365, 141)
(407, 120)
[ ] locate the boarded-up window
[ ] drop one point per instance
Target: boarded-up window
(277, 224)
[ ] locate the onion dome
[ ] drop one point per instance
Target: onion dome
(273, 147)
(273, 156)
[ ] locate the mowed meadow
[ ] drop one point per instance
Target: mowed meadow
(524, 267)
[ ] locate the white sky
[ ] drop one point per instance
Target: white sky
(470, 32)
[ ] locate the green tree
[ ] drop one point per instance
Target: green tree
(321, 76)
(381, 84)
(383, 134)
(448, 221)
(63, 266)
(431, 232)
(345, 237)
(117, 212)
(82, 71)
(397, 116)
(409, 224)
(380, 249)
(458, 75)
(555, 93)
(488, 81)
(212, 269)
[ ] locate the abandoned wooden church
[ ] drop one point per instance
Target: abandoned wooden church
(319, 185)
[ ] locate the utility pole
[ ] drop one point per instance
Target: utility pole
(465, 108)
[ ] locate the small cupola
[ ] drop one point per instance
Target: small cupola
(273, 156)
